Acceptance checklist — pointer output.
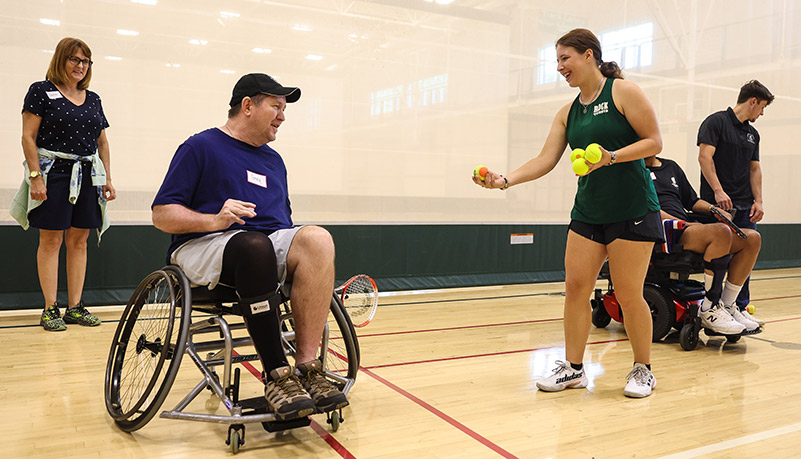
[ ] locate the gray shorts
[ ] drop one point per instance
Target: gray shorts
(201, 259)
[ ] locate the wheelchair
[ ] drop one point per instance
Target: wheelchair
(673, 298)
(162, 322)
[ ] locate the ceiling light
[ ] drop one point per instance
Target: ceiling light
(314, 57)
(46, 21)
(114, 58)
(229, 14)
(195, 41)
(146, 2)
(228, 72)
(302, 27)
(130, 33)
(262, 50)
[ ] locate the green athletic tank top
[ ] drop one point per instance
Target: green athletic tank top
(622, 191)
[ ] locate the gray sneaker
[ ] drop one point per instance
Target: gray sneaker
(326, 395)
(286, 396)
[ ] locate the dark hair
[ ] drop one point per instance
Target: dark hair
(756, 89)
(233, 111)
(583, 39)
(57, 72)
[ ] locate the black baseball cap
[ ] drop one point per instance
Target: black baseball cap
(260, 83)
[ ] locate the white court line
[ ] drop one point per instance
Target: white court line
(724, 445)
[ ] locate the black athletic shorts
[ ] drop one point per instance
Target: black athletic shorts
(56, 212)
(646, 228)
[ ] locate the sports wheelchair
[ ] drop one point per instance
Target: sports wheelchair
(673, 298)
(157, 328)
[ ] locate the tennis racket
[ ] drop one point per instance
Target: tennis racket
(723, 218)
(360, 296)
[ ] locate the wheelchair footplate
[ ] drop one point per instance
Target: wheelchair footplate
(710, 332)
(258, 405)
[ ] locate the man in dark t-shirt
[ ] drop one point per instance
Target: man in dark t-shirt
(226, 203)
(731, 176)
(713, 240)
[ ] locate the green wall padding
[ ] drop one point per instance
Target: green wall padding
(398, 257)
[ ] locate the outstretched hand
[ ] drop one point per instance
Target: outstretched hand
(491, 180)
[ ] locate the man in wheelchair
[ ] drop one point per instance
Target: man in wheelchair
(718, 311)
(226, 203)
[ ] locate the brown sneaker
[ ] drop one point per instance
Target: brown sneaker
(326, 395)
(286, 396)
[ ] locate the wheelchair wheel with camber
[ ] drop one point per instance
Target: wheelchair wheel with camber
(147, 348)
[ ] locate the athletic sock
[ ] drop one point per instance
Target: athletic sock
(576, 367)
(708, 278)
(730, 292)
(706, 305)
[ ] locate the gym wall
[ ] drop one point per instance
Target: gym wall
(401, 99)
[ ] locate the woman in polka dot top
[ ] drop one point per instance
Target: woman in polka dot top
(68, 175)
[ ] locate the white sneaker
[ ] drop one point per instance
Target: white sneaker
(748, 316)
(735, 312)
(563, 377)
(719, 320)
(640, 382)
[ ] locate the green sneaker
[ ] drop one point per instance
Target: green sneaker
(79, 315)
(51, 319)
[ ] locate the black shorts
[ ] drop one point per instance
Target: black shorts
(56, 212)
(646, 228)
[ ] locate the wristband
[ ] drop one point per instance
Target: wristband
(612, 158)
(505, 183)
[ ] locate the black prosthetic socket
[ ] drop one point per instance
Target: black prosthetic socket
(249, 264)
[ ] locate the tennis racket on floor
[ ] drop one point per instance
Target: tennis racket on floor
(360, 296)
(723, 218)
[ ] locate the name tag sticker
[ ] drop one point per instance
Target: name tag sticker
(53, 95)
(653, 176)
(257, 179)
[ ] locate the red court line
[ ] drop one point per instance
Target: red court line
(332, 442)
(490, 354)
(465, 327)
(471, 433)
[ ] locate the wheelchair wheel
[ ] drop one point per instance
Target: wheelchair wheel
(600, 316)
(663, 311)
(688, 338)
(147, 348)
(732, 338)
(339, 349)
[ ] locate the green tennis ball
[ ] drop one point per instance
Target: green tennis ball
(576, 154)
(481, 172)
(593, 153)
(580, 166)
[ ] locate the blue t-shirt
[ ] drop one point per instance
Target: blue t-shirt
(65, 127)
(211, 167)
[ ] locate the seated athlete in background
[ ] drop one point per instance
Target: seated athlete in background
(713, 240)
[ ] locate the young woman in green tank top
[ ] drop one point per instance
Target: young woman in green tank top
(616, 211)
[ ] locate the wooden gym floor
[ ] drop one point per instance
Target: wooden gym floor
(446, 374)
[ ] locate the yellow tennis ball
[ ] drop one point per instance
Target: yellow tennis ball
(481, 172)
(576, 154)
(580, 166)
(750, 308)
(593, 153)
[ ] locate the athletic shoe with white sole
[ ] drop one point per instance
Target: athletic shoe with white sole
(735, 312)
(563, 377)
(640, 382)
(748, 316)
(720, 321)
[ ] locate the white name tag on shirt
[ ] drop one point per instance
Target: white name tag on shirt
(257, 179)
(653, 176)
(53, 95)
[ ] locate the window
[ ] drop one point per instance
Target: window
(630, 47)
(424, 92)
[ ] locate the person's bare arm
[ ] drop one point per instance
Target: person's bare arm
(705, 154)
(30, 129)
(178, 219)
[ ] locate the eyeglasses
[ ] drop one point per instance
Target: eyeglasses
(76, 61)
